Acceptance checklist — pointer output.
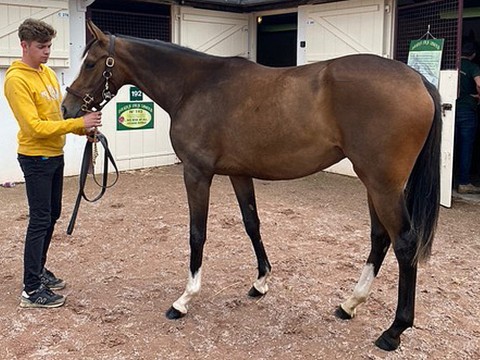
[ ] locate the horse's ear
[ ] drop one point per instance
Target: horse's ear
(95, 31)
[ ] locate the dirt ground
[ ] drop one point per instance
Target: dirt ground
(126, 263)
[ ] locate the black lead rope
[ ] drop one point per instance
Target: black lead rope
(87, 166)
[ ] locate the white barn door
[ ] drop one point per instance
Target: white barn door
(212, 32)
(448, 92)
(13, 13)
(342, 28)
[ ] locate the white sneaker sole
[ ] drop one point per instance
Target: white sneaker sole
(27, 304)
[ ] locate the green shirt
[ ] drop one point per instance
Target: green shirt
(468, 87)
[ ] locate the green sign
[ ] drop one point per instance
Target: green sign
(425, 56)
(135, 94)
(134, 115)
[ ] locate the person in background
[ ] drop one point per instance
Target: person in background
(466, 118)
(34, 95)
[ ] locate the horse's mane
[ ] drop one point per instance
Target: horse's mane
(165, 45)
(157, 44)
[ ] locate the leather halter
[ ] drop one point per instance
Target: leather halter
(107, 94)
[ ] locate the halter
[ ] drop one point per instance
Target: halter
(107, 95)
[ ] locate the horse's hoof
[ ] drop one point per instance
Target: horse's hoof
(387, 343)
(174, 314)
(342, 314)
(254, 293)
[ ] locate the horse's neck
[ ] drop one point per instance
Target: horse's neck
(164, 72)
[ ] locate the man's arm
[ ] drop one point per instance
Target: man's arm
(25, 111)
(24, 108)
(477, 83)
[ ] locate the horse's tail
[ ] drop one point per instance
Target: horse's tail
(422, 192)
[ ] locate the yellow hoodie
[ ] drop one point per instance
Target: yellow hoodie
(35, 99)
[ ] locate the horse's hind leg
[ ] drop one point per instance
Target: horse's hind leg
(198, 193)
(245, 193)
(392, 212)
(380, 242)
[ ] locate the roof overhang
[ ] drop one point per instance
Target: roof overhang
(242, 6)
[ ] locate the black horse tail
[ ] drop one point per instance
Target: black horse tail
(422, 193)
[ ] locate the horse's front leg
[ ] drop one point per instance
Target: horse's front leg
(245, 193)
(197, 184)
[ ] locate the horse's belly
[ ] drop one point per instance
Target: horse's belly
(282, 165)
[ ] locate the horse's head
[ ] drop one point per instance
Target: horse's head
(94, 86)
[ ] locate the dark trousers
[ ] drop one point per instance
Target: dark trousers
(44, 186)
(465, 132)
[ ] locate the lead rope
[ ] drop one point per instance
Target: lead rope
(88, 166)
(95, 140)
(95, 148)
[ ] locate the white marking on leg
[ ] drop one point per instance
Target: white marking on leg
(192, 289)
(361, 291)
(261, 284)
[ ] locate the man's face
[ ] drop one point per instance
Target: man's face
(36, 53)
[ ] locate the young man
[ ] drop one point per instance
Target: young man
(33, 93)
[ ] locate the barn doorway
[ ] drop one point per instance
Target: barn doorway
(471, 33)
(457, 22)
(139, 18)
(277, 40)
(135, 148)
(418, 19)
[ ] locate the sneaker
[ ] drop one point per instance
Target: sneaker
(51, 281)
(468, 189)
(41, 298)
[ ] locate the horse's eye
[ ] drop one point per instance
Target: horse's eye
(89, 65)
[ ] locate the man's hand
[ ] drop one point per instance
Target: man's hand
(92, 120)
(91, 134)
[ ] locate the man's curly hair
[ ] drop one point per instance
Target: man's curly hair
(36, 30)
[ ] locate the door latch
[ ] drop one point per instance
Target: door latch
(446, 107)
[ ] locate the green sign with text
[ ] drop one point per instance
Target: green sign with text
(425, 56)
(134, 115)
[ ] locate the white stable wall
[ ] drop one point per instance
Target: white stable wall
(9, 168)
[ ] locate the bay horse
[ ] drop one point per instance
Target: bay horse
(233, 117)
